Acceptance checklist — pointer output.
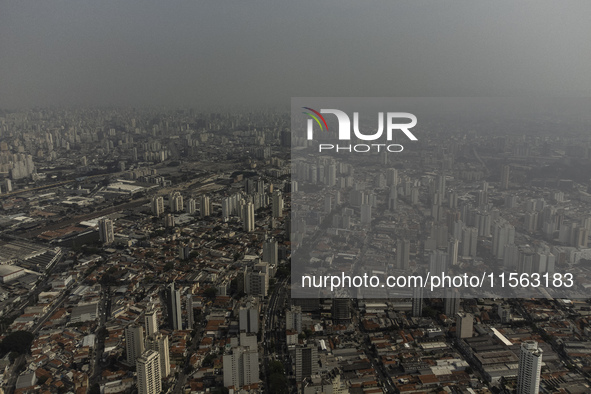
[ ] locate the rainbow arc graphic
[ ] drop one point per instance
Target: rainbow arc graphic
(316, 115)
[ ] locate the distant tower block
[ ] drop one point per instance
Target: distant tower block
(157, 206)
(204, 207)
(248, 220)
(277, 204)
(505, 177)
(402, 254)
(451, 302)
(417, 301)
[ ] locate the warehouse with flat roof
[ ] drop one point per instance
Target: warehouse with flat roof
(10, 272)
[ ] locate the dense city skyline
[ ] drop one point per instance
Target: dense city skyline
(194, 197)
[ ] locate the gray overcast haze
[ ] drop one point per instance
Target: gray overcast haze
(260, 53)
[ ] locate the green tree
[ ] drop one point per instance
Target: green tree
(18, 341)
(278, 384)
(210, 292)
(208, 360)
(276, 367)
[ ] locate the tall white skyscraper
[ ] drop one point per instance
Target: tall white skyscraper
(392, 198)
(402, 254)
(277, 204)
(330, 174)
(173, 303)
(469, 238)
(483, 222)
(270, 251)
(464, 325)
(505, 173)
(451, 302)
(149, 378)
(191, 206)
(176, 202)
(169, 220)
(438, 262)
(453, 247)
(417, 301)
(106, 233)
(503, 235)
(365, 213)
(157, 206)
(248, 219)
(204, 206)
(248, 317)
(530, 368)
(151, 321)
(134, 343)
(440, 185)
(159, 343)
(392, 177)
(241, 367)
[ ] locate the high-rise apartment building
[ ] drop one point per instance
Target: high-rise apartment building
(241, 367)
(306, 364)
(451, 302)
(106, 232)
(204, 206)
(248, 217)
(402, 254)
(248, 316)
(453, 248)
(159, 343)
(464, 325)
(505, 177)
(176, 202)
(530, 368)
(157, 206)
(256, 283)
(151, 321)
(365, 213)
(134, 343)
(270, 251)
(149, 378)
(173, 304)
(169, 220)
(277, 204)
(191, 206)
(417, 301)
(503, 235)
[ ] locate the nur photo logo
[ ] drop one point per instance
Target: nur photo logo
(392, 122)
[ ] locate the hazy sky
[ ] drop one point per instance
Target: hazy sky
(202, 53)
